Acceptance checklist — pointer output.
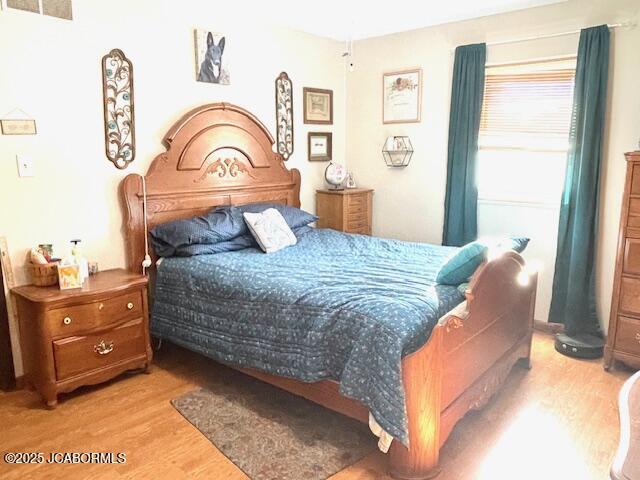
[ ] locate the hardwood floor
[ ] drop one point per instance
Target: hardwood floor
(556, 421)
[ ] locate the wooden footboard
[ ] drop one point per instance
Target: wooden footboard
(466, 360)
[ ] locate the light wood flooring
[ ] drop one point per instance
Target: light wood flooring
(556, 421)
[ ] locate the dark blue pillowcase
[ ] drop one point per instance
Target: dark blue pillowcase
(293, 216)
(217, 226)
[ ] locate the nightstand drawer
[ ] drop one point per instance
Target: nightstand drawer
(365, 230)
(80, 318)
(357, 222)
(628, 335)
(76, 355)
(357, 201)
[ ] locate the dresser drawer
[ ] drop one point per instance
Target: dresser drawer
(358, 200)
(365, 230)
(634, 207)
(635, 180)
(80, 318)
(630, 296)
(80, 354)
(628, 335)
(357, 222)
(631, 261)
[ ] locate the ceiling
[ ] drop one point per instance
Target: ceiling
(345, 19)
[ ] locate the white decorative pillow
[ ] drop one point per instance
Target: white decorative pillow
(270, 230)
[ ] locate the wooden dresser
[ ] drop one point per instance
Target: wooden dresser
(346, 210)
(623, 341)
(83, 336)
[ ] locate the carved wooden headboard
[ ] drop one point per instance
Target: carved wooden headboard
(217, 154)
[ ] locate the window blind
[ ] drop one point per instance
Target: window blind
(528, 106)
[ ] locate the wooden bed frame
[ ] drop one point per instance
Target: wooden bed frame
(221, 154)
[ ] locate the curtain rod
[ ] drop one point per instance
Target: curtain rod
(629, 24)
(553, 35)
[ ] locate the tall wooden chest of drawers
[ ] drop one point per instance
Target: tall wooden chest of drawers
(623, 341)
(346, 210)
(83, 336)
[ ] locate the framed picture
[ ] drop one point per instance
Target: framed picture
(319, 146)
(211, 60)
(402, 96)
(318, 106)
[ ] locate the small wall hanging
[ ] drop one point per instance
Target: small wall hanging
(284, 115)
(17, 122)
(119, 121)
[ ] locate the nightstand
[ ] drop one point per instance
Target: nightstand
(348, 210)
(83, 336)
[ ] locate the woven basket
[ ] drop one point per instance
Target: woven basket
(45, 275)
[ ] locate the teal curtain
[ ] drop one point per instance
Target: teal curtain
(573, 300)
(461, 200)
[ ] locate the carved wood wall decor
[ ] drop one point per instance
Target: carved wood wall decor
(119, 120)
(284, 115)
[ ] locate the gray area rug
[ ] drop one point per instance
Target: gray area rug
(271, 434)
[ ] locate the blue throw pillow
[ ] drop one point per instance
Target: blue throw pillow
(463, 264)
(519, 243)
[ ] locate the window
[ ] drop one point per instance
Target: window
(524, 131)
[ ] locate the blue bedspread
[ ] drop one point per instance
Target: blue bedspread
(335, 306)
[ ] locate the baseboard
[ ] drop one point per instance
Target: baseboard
(548, 327)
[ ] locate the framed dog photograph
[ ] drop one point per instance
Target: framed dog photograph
(402, 96)
(319, 146)
(317, 106)
(211, 58)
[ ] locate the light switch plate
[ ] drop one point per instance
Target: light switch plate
(25, 166)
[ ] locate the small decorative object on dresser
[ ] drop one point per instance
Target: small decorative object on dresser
(335, 175)
(397, 151)
(83, 336)
(345, 210)
(623, 341)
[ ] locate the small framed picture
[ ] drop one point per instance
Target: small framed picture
(69, 277)
(402, 96)
(319, 146)
(318, 106)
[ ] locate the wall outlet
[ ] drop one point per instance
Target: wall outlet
(25, 166)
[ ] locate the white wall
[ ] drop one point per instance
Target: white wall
(409, 203)
(51, 69)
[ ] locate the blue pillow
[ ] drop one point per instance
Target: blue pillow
(217, 226)
(519, 243)
(293, 216)
(463, 264)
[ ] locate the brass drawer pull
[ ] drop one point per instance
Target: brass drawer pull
(103, 348)
(130, 306)
(638, 337)
(100, 307)
(66, 320)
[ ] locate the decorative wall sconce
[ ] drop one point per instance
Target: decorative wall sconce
(284, 115)
(119, 120)
(397, 151)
